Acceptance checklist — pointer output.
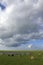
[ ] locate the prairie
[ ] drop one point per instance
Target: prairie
(23, 58)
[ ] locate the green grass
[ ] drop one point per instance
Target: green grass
(23, 59)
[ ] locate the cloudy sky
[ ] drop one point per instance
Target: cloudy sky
(21, 24)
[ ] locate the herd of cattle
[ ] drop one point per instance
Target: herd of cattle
(13, 53)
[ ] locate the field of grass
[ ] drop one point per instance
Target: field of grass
(34, 58)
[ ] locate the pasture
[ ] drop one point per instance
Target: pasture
(23, 58)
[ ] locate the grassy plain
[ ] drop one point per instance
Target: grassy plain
(33, 58)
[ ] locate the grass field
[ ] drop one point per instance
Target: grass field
(34, 58)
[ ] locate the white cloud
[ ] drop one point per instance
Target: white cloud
(30, 46)
(21, 22)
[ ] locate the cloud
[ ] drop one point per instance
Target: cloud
(21, 21)
(30, 46)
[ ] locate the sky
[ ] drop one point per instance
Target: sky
(21, 24)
